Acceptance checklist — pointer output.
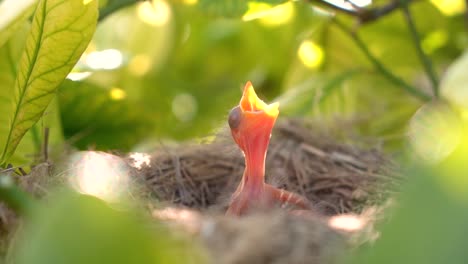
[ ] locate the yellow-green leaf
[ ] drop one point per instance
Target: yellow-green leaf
(435, 131)
(60, 32)
(454, 85)
(12, 15)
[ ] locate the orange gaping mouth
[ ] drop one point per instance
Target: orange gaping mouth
(250, 103)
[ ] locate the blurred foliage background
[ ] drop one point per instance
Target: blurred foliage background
(174, 69)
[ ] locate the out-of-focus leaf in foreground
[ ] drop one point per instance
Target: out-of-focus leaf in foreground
(60, 32)
(73, 228)
(429, 223)
(12, 15)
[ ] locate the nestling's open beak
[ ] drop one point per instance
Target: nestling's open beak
(251, 123)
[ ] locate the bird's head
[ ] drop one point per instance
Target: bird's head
(251, 122)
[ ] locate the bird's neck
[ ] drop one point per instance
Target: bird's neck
(254, 174)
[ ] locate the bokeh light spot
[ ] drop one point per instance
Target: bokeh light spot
(78, 76)
(450, 7)
(190, 2)
(434, 131)
(269, 15)
(140, 65)
(140, 160)
(346, 222)
(310, 54)
(99, 174)
(104, 60)
(155, 13)
(117, 94)
(434, 40)
(184, 107)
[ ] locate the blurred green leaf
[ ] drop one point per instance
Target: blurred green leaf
(72, 228)
(13, 13)
(59, 33)
(455, 82)
(231, 8)
(93, 116)
(427, 227)
(428, 223)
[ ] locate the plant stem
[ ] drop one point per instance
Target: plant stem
(425, 60)
(466, 14)
(380, 67)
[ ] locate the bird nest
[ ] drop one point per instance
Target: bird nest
(346, 184)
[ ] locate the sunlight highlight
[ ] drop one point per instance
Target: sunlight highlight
(11, 9)
(434, 131)
(155, 13)
(269, 15)
(346, 222)
(99, 174)
(450, 7)
(78, 76)
(190, 2)
(108, 59)
(140, 160)
(117, 94)
(310, 54)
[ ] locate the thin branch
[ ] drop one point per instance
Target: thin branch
(369, 15)
(466, 14)
(325, 4)
(115, 5)
(425, 60)
(364, 15)
(45, 145)
(380, 67)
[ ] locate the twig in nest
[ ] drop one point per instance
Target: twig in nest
(45, 145)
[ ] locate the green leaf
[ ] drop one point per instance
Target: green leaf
(59, 34)
(12, 15)
(454, 84)
(72, 228)
(10, 54)
(231, 8)
(429, 223)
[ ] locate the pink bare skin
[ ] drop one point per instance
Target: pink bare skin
(251, 123)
